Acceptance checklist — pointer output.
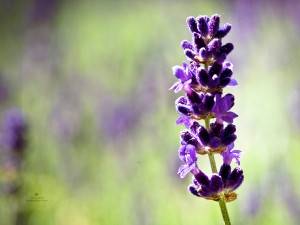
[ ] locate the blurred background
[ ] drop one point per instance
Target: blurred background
(87, 82)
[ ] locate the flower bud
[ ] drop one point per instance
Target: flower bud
(190, 54)
(192, 24)
(214, 45)
(213, 25)
(202, 26)
(198, 41)
(226, 49)
(223, 31)
(235, 179)
(203, 77)
(186, 45)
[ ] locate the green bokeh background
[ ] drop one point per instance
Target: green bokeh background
(92, 78)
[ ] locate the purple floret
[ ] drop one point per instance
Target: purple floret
(213, 25)
(184, 74)
(187, 153)
(217, 136)
(230, 155)
(222, 107)
(192, 24)
(235, 179)
(223, 31)
(206, 187)
(185, 120)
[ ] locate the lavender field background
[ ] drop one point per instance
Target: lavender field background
(92, 80)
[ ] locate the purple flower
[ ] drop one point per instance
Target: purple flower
(217, 137)
(234, 180)
(14, 128)
(206, 46)
(214, 46)
(225, 181)
(186, 45)
(206, 187)
(203, 82)
(199, 104)
(189, 138)
(192, 24)
(217, 77)
(226, 75)
(184, 74)
(230, 155)
(198, 42)
(205, 106)
(185, 120)
(43, 10)
(195, 127)
(187, 153)
(213, 25)
(231, 179)
(183, 108)
(222, 107)
(194, 106)
(202, 25)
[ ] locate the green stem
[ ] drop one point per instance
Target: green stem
(212, 163)
(222, 202)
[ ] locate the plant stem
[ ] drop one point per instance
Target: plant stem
(222, 202)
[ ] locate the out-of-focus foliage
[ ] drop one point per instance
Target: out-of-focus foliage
(92, 79)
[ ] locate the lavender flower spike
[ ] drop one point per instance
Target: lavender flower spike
(203, 81)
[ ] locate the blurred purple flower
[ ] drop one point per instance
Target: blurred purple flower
(12, 146)
(42, 10)
(254, 201)
(14, 129)
(120, 117)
